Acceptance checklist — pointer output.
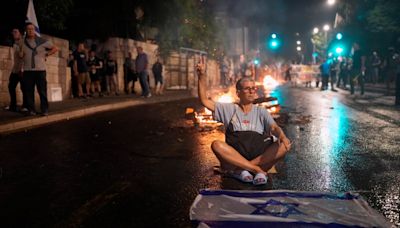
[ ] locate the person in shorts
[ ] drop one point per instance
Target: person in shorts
(81, 70)
(95, 66)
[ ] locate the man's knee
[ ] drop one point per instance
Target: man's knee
(217, 146)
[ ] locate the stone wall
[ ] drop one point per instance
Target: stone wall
(58, 75)
(120, 48)
(179, 68)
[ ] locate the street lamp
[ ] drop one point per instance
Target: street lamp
(298, 48)
(326, 27)
(331, 2)
(298, 42)
(315, 30)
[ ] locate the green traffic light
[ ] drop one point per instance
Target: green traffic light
(339, 50)
(339, 36)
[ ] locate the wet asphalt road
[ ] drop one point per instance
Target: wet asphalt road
(143, 166)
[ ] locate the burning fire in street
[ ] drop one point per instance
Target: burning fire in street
(205, 116)
(269, 82)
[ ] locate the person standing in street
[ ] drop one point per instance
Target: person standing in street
(95, 66)
(358, 70)
(325, 71)
(111, 74)
(130, 74)
(81, 70)
(333, 69)
(376, 64)
(16, 74)
(34, 52)
(141, 68)
(157, 72)
(390, 68)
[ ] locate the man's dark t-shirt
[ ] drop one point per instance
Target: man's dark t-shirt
(111, 67)
(80, 58)
(358, 54)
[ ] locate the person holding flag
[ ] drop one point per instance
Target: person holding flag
(34, 52)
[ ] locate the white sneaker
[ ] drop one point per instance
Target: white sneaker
(148, 95)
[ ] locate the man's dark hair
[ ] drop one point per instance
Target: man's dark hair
(19, 30)
(28, 23)
(244, 79)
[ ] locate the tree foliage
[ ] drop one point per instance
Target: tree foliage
(189, 24)
(384, 16)
(52, 14)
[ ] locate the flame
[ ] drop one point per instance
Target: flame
(269, 82)
(272, 110)
(226, 98)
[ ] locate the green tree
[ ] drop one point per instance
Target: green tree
(384, 16)
(52, 14)
(188, 24)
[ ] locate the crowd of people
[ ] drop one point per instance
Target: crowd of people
(29, 70)
(93, 75)
(360, 68)
(90, 74)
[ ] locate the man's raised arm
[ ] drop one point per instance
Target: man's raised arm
(202, 88)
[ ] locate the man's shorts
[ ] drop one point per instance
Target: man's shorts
(94, 77)
(84, 78)
(131, 77)
(249, 144)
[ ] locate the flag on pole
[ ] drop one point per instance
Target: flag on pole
(282, 208)
(31, 17)
(338, 20)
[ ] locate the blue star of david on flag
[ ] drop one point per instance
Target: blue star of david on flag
(262, 208)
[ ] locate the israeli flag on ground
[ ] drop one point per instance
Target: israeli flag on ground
(278, 208)
(31, 17)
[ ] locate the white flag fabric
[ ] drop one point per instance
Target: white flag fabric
(31, 17)
(338, 20)
(278, 208)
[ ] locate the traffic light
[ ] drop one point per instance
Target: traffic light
(256, 61)
(274, 42)
(338, 46)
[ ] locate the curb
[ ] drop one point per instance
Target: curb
(74, 114)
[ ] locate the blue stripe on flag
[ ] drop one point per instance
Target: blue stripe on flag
(343, 196)
(243, 224)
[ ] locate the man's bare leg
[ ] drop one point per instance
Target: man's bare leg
(272, 154)
(229, 156)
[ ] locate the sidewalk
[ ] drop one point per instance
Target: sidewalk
(380, 88)
(75, 108)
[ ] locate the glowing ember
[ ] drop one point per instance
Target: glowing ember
(272, 110)
(269, 82)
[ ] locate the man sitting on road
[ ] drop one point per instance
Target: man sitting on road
(249, 146)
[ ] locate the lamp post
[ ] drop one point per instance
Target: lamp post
(314, 57)
(326, 29)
